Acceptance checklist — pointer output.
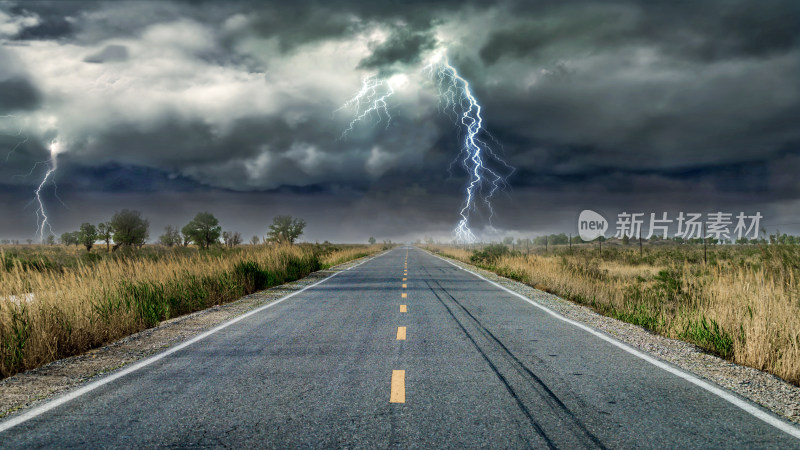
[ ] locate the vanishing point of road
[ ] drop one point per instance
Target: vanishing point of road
(403, 350)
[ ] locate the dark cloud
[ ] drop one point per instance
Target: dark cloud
(17, 93)
(110, 53)
(612, 105)
(707, 31)
(54, 18)
(403, 47)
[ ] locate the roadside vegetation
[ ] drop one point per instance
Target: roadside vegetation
(61, 300)
(741, 302)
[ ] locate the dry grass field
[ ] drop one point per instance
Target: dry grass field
(57, 301)
(743, 303)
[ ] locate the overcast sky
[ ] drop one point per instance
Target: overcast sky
(231, 107)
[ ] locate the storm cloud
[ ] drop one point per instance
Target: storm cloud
(614, 105)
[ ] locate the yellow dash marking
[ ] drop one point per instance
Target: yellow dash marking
(405, 285)
(403, 308)
(403, 295)
(401, 333)
(404, 279)
(398, 387)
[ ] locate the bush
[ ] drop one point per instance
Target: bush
(490, 254)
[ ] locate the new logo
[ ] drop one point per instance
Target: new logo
(591, 225)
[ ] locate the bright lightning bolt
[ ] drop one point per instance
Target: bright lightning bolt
(486, 169)
(370, 101)
(476, 155)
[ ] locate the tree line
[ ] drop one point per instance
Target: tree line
(129, 228)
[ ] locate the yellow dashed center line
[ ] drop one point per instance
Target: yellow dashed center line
(403, 308)
(401, 333)
(403, 295)
(404, 279)
(404, 285)
(398, 387)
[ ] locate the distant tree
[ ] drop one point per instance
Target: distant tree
(255, 240)
(29, 241)
(203, 230)
(130, 228)
(104, 233)
(231, 238)
(87, 235)
(285, 229)
(371, 240)
(508, 240)
(170, 237)
(69, 238)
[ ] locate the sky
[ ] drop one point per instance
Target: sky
(172, 108)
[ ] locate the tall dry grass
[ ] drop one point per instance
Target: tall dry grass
(743, 305)
(47, 314)
(350, 253)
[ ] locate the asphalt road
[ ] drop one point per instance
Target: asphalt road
(478, 367)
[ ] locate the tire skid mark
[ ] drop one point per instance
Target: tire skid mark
(539, 386)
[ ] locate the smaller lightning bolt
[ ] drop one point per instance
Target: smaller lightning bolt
(19, 134)
(370, 101)
(42, 220)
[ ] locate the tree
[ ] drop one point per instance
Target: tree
(130, 228)
(51, 239)
(69, 238)
(203, 230)
(87, 235)
(104, 232)
(232, 238)
(255, 240)
(371, 240)
(285, 229)
(170, 237)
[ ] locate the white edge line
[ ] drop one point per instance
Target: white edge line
(746, 406)
(39, 410)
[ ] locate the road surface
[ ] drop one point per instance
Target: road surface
(405, 350)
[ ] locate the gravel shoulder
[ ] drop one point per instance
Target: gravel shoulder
(33, 387)
(759, 387)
